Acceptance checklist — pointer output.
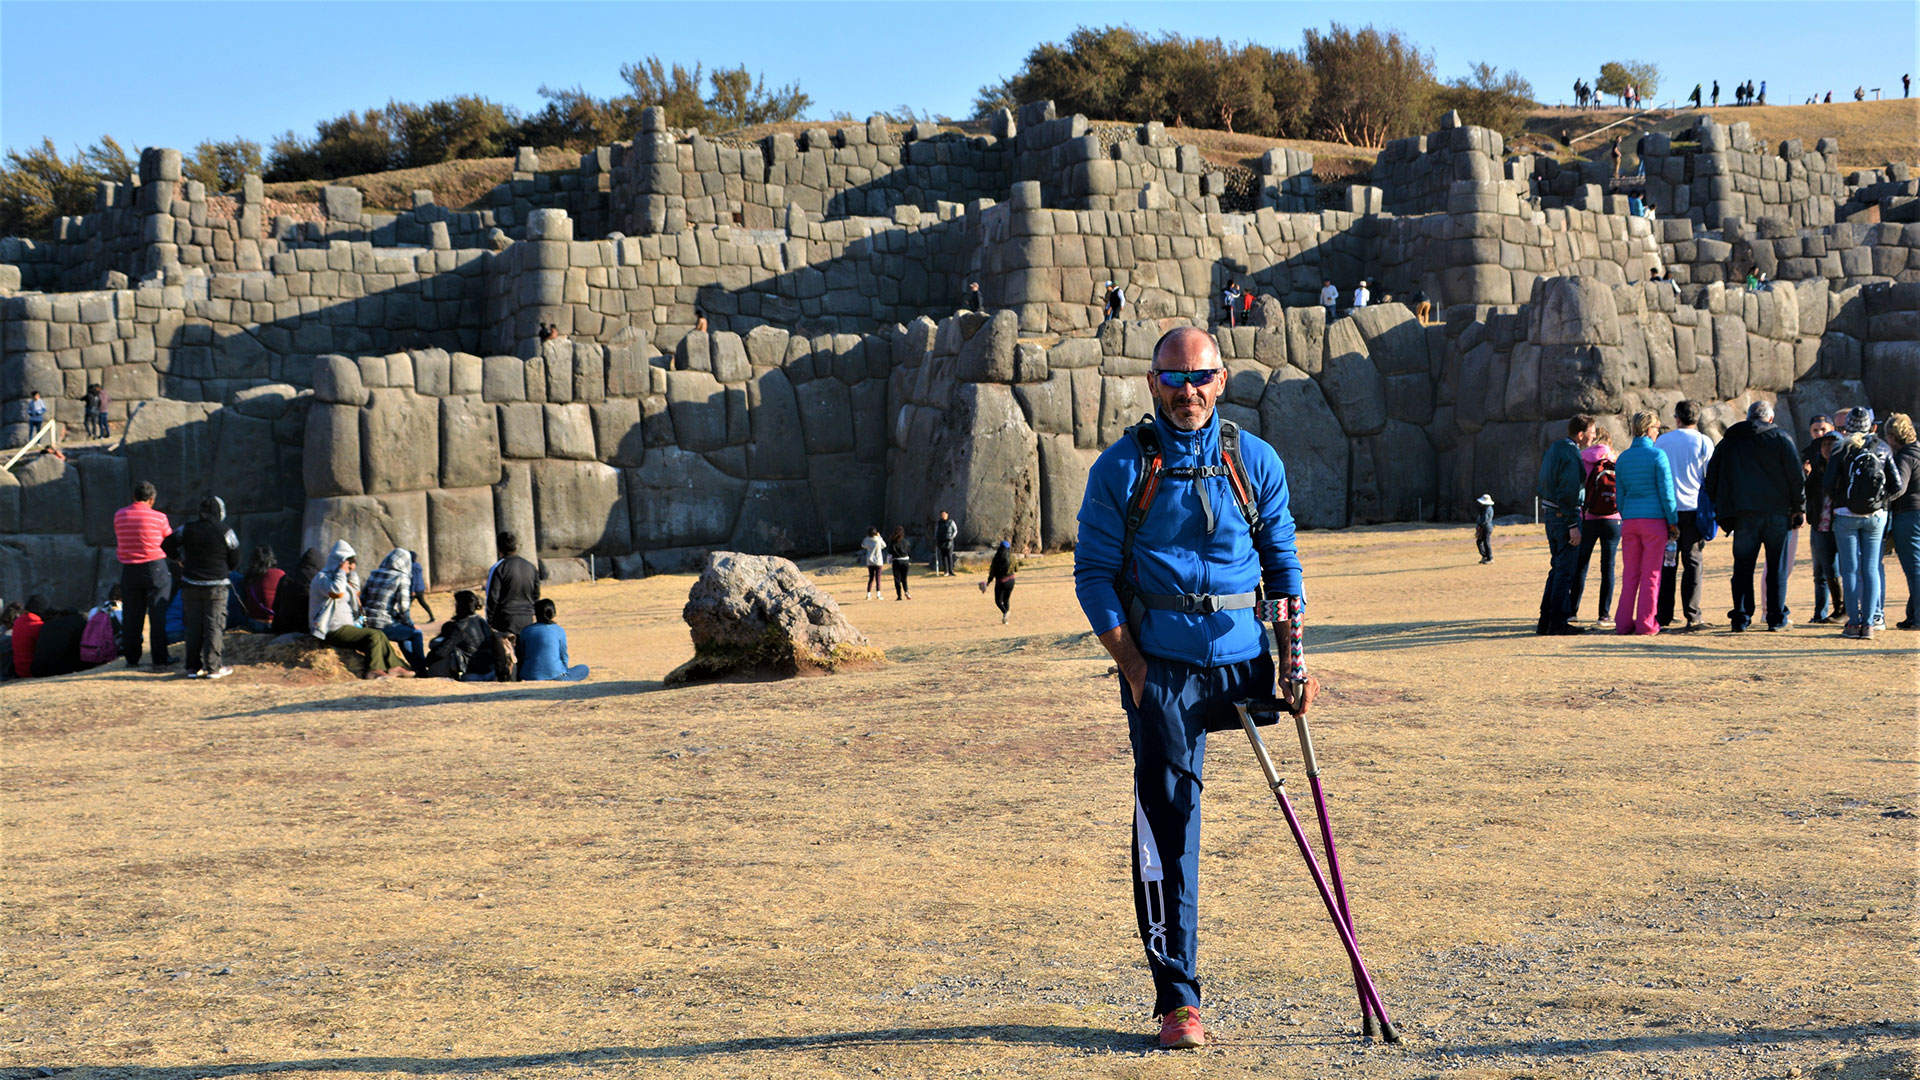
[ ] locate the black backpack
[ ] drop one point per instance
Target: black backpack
(1601, 499)
(1863, 484)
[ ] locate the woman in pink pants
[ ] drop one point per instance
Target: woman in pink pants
(1649, 518)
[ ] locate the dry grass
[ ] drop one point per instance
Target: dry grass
(1569, 858)
(458, 185)
(1871, 133)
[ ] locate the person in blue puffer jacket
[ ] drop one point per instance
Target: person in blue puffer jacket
(1180, 624)
(1649, 519)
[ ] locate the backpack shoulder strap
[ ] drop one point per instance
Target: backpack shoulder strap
(1237, 475)
(1145, 486)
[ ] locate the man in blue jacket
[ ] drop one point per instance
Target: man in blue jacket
(1177, 615)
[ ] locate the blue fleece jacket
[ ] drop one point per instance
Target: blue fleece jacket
(1643, 483)
(1173, 552)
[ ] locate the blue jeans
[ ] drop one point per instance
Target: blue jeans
(1556, 600)
(1826, 574)
(411, 642)
(1606, 533)
(1858, 540)
(1904, 533)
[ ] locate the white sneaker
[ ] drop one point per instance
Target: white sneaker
(1003, 618)
(201, 674)
(221, 674)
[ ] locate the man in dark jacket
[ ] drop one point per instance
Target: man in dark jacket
(1562, 489)
(1759, 494)
(946, 532)
(513, 584)
(207, 552)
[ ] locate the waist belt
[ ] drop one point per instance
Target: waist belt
(1196, 603)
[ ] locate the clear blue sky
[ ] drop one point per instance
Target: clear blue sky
(171, 74)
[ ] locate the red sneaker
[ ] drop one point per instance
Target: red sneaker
(1181, 1029)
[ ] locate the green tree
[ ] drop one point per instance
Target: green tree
(1372, 86)
(1616, 76)
(465, 126)
(1293, 87)
(577, 120)
(1488, 99)
(220, 165)
(39, 187)
(350, 144)
(674, 89)
(743, 100)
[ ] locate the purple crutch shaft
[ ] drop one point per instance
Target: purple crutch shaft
(1339, 890)
(1370, 995)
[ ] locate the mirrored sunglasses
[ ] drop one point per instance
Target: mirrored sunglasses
(1174, 380)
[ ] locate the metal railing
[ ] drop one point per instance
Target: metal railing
(50, 431)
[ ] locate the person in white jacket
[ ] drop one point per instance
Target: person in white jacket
(333, 616)
(873, 551)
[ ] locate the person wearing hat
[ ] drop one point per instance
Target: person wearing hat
(1000, 575)
(1863, 478)
(1483, 527)
(207, 552)
(1361, 296)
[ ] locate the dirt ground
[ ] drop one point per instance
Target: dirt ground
(1685, 856)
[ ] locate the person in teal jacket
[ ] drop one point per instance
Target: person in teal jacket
(1649, 519)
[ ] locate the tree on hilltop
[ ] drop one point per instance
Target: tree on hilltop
(1617, 76)
(1488, 99)
(739, 98)
(1372, 86)
(221, 165)
(39, 187)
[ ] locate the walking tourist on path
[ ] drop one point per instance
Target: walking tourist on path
(1758, 494)
(1483, 527)
(1000, 574)
(1172, 602)
(1649, 521)
(873, 555)
(1688, 452)
(902, 563)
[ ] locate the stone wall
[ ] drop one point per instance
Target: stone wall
(383, 377)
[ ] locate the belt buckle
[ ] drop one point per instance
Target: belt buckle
(1202, 604)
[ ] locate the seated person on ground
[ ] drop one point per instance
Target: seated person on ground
(543, 649)
(466, 647)
(334, 616)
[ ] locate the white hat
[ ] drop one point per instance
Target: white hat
(1485, 500)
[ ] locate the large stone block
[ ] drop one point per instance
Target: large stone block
(399, 441)
(9, 505)
(67, 570)
(848, 496)
(826, 416)
(172, 444)
(577, 509)
(1048, 405)
(513, 505)
(1296, 420)
(1891, 372)
(104, 489)
(50, 495)
(730, 364)
(249, 471)
(1351, 381)
(987, 356)
(460, 536)
(1572, 311)
(697, 404)
(503, 379)
(1578, 379)
(336, 381)
(778, 450)
(1395, 339)
(1306, 338)
(618, 438)
(373, 524)
(331, 463)
(569, 435)
(678, 499)
(778, 517)
(1063, 485)
(469, 442)
(1394, 476)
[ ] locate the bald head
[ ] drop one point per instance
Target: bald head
(1187, 404)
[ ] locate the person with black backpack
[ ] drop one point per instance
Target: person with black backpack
(1185, 547)
(1759, 495)
(1862, 479)
(1599, 523)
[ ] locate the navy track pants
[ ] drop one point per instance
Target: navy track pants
(1168, 730)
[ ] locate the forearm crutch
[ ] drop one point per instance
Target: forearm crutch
(1335, 896)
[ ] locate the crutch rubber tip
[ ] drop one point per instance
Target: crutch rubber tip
(1388, 1033)
(1368, 1026)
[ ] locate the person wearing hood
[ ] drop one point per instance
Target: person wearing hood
(207, 552)
(290, 595)
(387, 604)
(333, 607)
(26, 634)
(1759, 494)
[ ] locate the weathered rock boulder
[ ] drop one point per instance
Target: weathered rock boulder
(759, 615)
(1295, 420)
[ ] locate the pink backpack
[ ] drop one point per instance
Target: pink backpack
(98, 643)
